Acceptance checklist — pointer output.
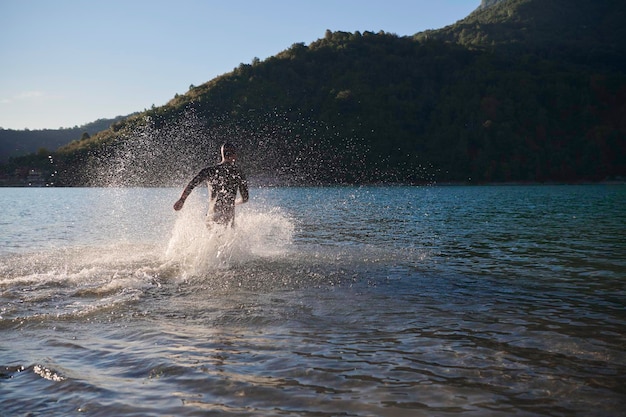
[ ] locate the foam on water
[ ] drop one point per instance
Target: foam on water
(72, 282)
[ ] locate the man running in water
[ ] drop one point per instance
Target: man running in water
(223, 180)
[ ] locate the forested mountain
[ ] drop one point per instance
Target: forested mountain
(522, 90)
(590, 34)
(488, 3)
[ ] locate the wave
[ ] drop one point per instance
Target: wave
(81, 280)
(260, 254)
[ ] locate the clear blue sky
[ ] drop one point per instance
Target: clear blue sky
(69, 62)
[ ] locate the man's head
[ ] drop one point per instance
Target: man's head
(229, 152)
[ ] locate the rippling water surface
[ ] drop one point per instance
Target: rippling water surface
(372, 301)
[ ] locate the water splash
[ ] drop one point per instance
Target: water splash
(198, 247)
(275, 149)
(151, 155)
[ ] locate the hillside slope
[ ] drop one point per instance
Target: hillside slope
(524, 90)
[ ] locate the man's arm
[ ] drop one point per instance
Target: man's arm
(192, 184)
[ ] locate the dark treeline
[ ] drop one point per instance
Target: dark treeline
(524, 90)
(15, 143)
(25, 151)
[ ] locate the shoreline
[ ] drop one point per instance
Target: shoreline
(380, 184)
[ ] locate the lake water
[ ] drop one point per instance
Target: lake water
(347, 301)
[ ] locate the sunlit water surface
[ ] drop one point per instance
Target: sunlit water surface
(373, 301)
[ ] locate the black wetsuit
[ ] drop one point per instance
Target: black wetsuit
(223, 181)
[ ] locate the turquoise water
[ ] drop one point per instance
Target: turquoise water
(357, 301)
